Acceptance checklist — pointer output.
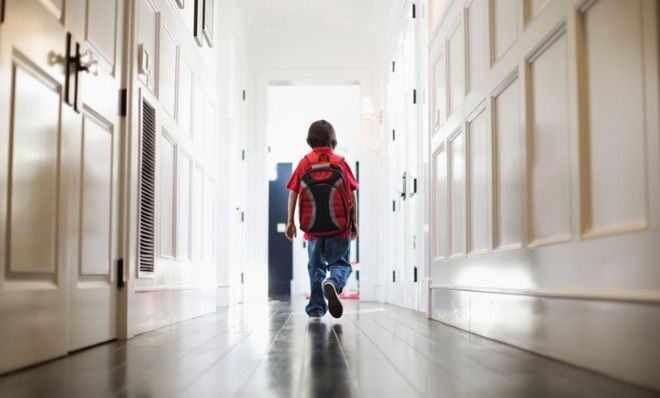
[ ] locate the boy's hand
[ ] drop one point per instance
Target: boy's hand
(354, 231)
(290, 231)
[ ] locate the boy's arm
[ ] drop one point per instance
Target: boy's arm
(354, 215)
(290, 225)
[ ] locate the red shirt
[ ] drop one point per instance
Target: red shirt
(294, 181)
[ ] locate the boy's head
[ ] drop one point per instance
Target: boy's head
(321, 134)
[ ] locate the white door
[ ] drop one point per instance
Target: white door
(56, 186)
(92, 279)
(410, 156)
(33, 234)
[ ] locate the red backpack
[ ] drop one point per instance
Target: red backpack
(324, 198)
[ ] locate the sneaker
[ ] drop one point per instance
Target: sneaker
(315, 317)
(334, 304)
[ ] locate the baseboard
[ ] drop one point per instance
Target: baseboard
(618, 339)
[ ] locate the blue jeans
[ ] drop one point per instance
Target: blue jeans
(326, 254)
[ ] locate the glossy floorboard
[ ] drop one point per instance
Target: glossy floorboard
(272, 350)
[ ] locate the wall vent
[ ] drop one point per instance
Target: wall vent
(147, 190)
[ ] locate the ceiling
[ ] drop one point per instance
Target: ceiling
(313, 17)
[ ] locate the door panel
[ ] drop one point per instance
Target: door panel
(100, 28)
(96, 197)
(33, 176)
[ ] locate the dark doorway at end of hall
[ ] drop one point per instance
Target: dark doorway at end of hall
(280, 251)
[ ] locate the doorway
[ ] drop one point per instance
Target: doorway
(280, 253)
(291, 108)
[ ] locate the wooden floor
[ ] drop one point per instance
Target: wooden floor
(272, 350)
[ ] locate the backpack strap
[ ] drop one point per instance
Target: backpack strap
(315, 157)
(312, 158)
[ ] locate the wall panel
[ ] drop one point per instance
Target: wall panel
(167, 70)
(509, 170)
(458, 195)
(184, 97)
(198, 113)
(479, 169)
(147, 34)
(167, 195)
(197, 205)
(477, 38)
(456, 58)
(439, 93)
(549, 178)
(184, 206)
(209, 216)
(440, 203)
(210, 129)
(614, 136)
(504, 26)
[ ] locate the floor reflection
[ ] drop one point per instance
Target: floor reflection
(273, 350)
(328, 371)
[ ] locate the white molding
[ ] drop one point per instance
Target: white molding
(648, 297)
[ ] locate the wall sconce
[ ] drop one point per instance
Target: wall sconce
(369, 112)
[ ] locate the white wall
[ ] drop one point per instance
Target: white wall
(182, 84)
(546, 176)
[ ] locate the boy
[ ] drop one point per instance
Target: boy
(325, 252)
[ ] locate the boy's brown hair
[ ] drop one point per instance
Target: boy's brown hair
(321, 134)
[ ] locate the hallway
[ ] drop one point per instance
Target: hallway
(501, 220)
(259, 350)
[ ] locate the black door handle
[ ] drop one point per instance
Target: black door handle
(68, 70)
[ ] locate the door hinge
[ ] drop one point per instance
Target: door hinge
(414, 96)
(393, 276)
(242, 216)
(413, 186)
(123, 102)
(414, 11)
(415, 274)
(120, 273)
(242, 154)
(242, 279)
(393, 66)
(393, 134)
(393, 206)
(243, 95)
